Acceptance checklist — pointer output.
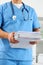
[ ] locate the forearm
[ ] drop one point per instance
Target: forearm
(36, 30)
(3, 34)
(9, 36)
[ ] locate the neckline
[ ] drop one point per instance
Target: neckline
(16, 6)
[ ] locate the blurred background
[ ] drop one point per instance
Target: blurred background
(37, 49)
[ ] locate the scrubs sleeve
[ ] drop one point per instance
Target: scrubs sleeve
(1, 16)
(36, 23)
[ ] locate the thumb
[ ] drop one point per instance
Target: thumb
(13, 33)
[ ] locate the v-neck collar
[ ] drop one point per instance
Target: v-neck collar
(17, 7)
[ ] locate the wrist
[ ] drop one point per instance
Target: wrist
(7, 36)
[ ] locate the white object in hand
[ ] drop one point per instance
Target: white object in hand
(16, 36)
(24, 38)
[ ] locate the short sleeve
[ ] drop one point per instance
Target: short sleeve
(0, 16)
(36, 23)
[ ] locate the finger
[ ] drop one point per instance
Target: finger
(14, 42)
(33, 43)
(13, 34)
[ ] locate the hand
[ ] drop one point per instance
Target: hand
(11, 38)
(33, 42)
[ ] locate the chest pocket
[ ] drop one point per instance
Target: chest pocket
(27, 25)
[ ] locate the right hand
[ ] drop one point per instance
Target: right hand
(11, 38)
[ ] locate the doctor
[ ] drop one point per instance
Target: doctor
(16, 16)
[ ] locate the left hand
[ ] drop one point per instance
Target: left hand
(33, 42)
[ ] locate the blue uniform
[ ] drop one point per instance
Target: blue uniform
(16, 56)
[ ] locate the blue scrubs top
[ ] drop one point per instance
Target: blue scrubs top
(7, 24)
